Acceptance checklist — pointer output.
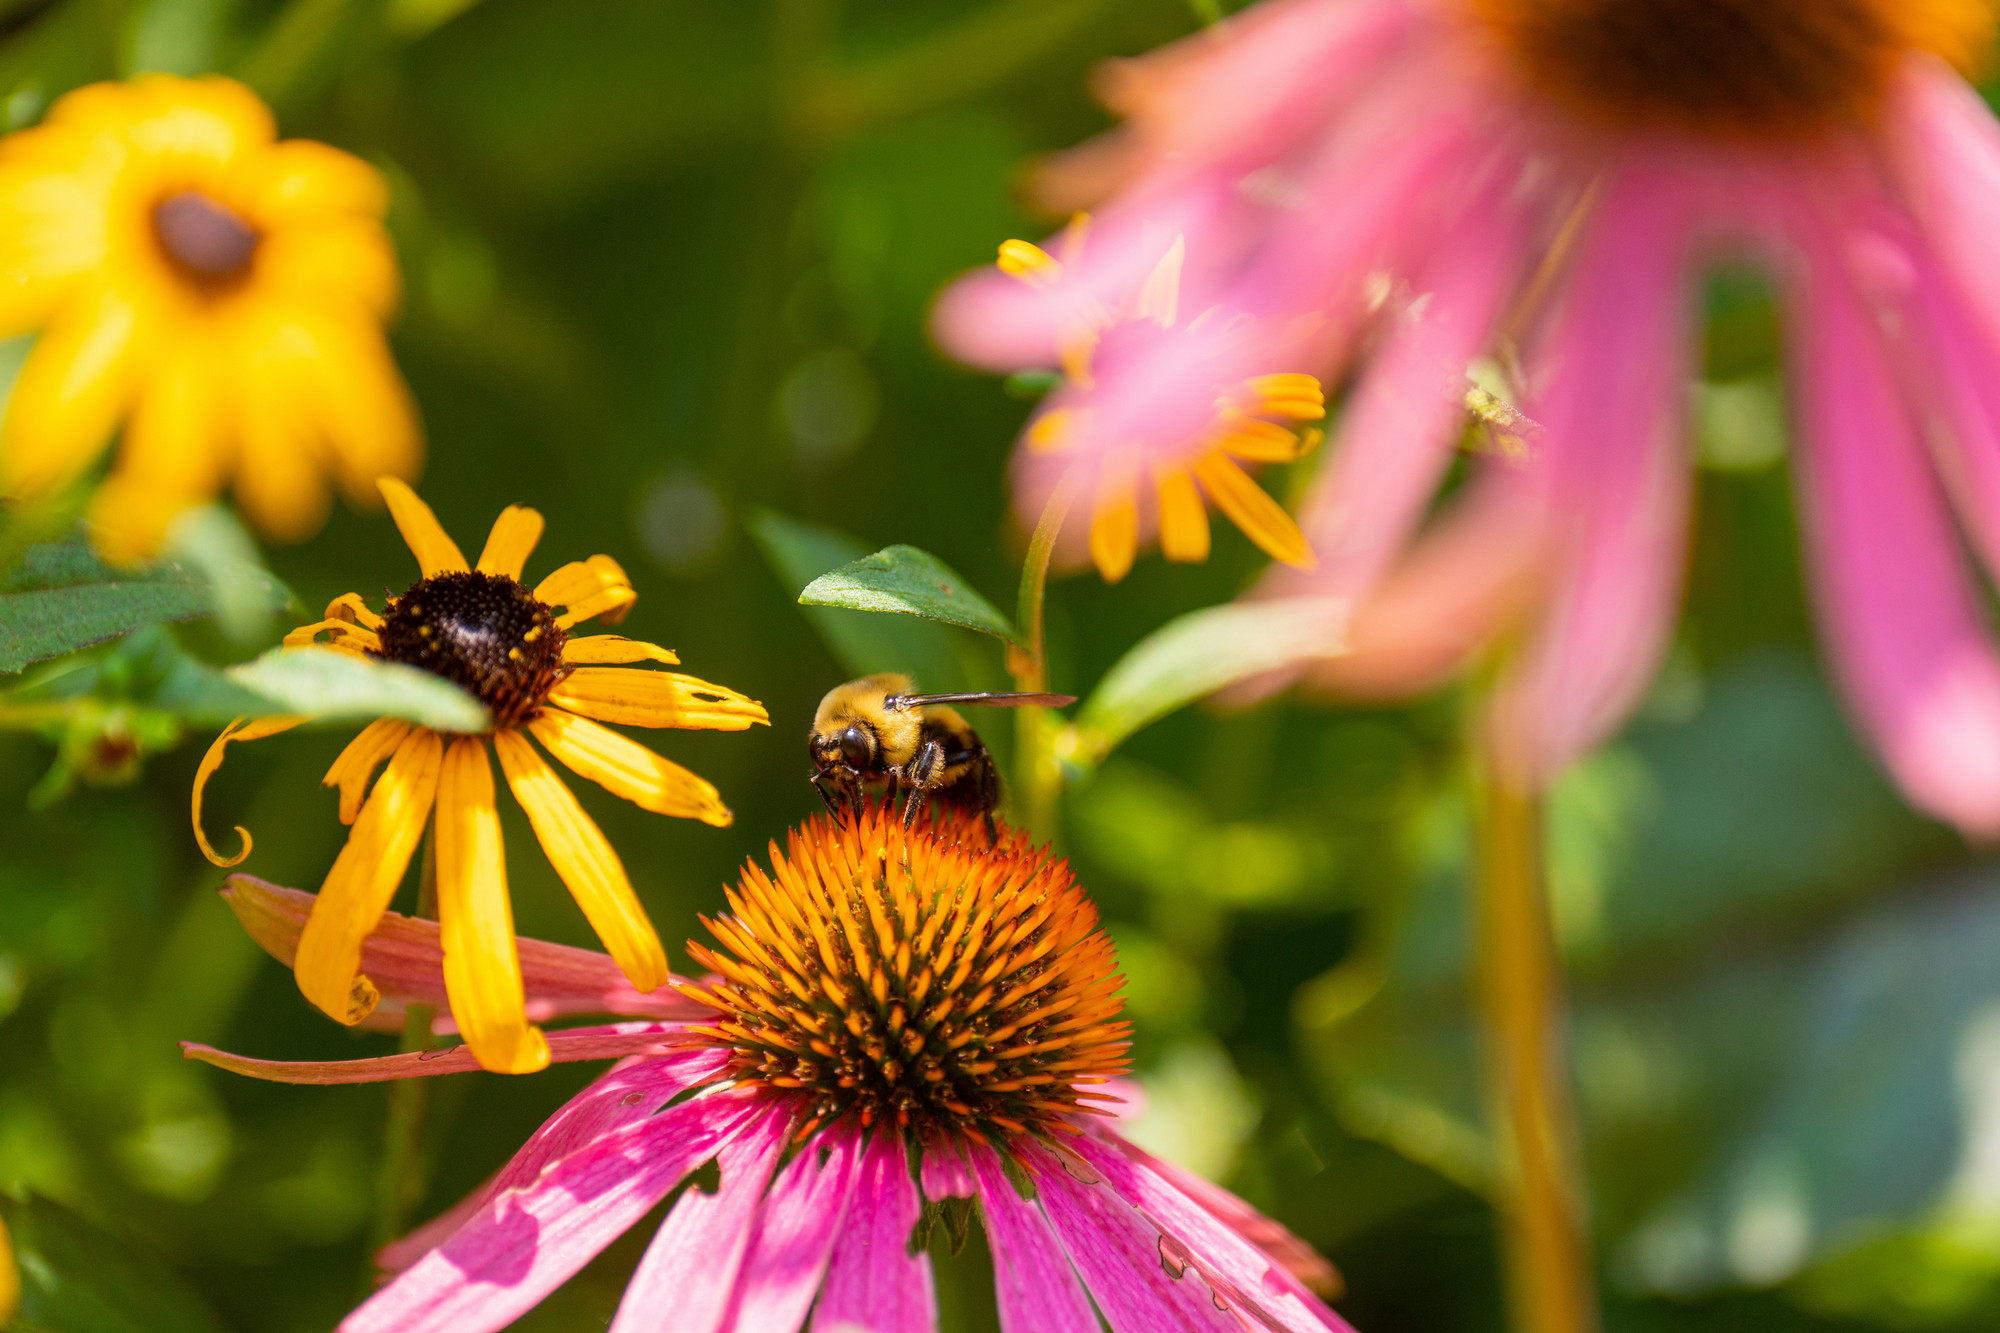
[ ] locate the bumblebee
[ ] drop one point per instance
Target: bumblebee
(876, 730)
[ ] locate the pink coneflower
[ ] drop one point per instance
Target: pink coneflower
(1413, 184)
(899, 1019)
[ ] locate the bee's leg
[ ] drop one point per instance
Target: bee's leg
(821, 781)
(910, 806)
(992, 831)
(921, 773)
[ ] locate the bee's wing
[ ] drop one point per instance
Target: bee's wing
(984, 700)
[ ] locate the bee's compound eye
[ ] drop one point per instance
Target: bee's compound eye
(857, 747)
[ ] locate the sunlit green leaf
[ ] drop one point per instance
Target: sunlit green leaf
(1191, 658)
(910, 581)
(864, 644)
(60, 597)
(323, 683)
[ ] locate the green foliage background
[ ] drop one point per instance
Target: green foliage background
(667, 267)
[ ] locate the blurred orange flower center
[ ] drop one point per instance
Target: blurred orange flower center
(482, 631)
(205, 240)
(1734, 67)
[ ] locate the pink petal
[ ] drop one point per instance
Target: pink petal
(1400, 433)
(404, 961)
(611, 1042)
(689, 1272)
(627, 1093)
(1038, 1291)
(1138, 1277)
(1947, 153)
(1199, 1216)
(1614, 470)
(873, 1283)
(1897, 604)
(795, 1233)
(946, 1174)
(525, 1243)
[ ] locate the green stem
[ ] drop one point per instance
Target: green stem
(1545, 1241)
(1038, 777)
(399, 1186)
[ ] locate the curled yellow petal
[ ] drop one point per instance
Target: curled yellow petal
(358, 762)
(364, 878)
(627, 769)
(586, 861)
(511, 542)
(436, 552)
(1262, 441)
(482, 965)
(1292, 396)
(615, 650)
(239, 730)
(633, 697)
(1183, 517)
(1262, 519)
(1029, 262)
(347, 636)
(610, 603)
(349, 606)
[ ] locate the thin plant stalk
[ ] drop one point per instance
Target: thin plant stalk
(399, 1186)
(1544, 1234)
(1038, 777)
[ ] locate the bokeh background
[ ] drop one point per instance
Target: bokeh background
(668, 263)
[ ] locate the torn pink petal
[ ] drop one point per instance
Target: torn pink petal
(1038, 1291)
(1139, 1279)
(688, 1275)
(611, 1042)
(524, 1243)
(946, 1173)
(873, 1283)
(404, 961)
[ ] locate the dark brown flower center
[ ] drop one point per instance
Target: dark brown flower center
(205, 240)
(1738, 67)
(482, 631)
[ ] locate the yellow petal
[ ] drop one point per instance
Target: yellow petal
(436, 553)
(586, 862)
(627, 769)
(1261, 441)
(482, 966)
(610, 603)
(511, 542)
(1183, 517)
(301, 181)
(72, 389)
(1262, 519)
(633, 697)
(580, 579)
(364, 878)
(1292, 396)
(613, 650)
(210, 117)
(1029, 262)
(1114, 525)
(10, 1278)
(349, 606)
(358, 762)
(347, 636)
(129, 519)
(1054, 430)
(280, 482)
(239, 730)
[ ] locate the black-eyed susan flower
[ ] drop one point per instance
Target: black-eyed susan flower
(218, 292)
(906, 1024)
(479, 626)
(1154, 463)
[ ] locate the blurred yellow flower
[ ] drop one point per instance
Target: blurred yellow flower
(218, 292)
(479, 626)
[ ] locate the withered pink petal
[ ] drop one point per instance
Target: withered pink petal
(610, 1042)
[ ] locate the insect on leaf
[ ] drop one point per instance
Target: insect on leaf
(913, 582)
(324, 684)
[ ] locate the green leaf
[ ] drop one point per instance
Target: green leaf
(863, 643)
(1193, 657)
(60, 597)
(77, 1278)
(323, 684)
(913, 582)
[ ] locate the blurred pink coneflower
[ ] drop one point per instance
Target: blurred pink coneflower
(1407, 186)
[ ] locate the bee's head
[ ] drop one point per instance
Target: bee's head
(851, 747)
